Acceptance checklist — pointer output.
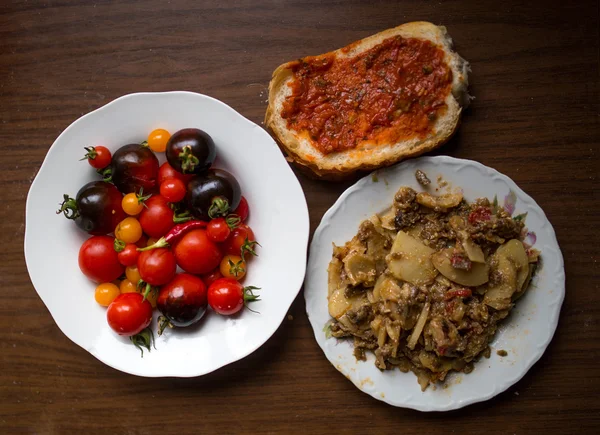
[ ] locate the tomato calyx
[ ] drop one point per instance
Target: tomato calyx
(119, 245)
(236, 269)
(219, 207)
(106, 174)
(249, 296)
(188, 160)
(149, 288)
(233, 221)
(90, 154)
(248, 248)
(141, 198)
(145, 144)
(143, 340)
(69, 207)
(182, 217)
(163, 323)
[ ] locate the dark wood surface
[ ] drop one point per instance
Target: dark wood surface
(535, 118)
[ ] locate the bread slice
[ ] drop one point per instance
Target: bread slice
(367, 155)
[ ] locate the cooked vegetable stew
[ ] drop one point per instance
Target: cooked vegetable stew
(424, 285)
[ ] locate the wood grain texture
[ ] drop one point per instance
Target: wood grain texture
(535, 118)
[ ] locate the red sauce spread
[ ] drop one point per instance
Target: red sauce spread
(393, 91)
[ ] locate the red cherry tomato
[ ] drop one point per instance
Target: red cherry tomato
(240, 237)
(217, 230)
(129, 314)
(129, 255)
(242, 209)
(227, 296)
(173, 189)
(157, 266)
(211, 277)
(196, 253)
(98, 157)
(167, 171)
(98, 259)
(157, 217)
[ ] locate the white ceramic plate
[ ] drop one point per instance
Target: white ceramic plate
(276, 201)
(524, 335)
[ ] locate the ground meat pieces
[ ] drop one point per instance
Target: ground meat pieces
(422, 178)
(360, 314)
(405, 219)
(405, 198)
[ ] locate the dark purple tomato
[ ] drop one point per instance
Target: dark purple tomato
(216, 193)
(191, 151)
(183, 301)
(134, 167)
(96, 209)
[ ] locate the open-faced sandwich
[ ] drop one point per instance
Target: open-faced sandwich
(390, 96)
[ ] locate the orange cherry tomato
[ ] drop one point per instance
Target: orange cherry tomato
(106, 293)
(128, 286)
(129, 230)
(157, 140)
(133, 274)
(232, 266)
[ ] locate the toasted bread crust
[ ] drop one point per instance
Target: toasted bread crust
(344, 164)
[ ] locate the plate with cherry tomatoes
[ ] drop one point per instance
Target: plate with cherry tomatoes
(177, 232)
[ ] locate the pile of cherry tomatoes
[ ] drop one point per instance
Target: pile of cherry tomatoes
(183, 213)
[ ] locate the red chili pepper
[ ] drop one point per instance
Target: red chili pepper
(175, 233)
(461, 293)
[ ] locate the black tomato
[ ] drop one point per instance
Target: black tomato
(213, 194)
(134, 167)
(182, 301)
(96, 209)
(191, 151)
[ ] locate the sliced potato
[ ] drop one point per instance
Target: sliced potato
(334, 272)
(338, 303)
(478, 275)
(388, 289)
(520, 292)
(515, 252)
(472, 249)
(439, 203)
(499, 296)
(410, 260)
(360, 269)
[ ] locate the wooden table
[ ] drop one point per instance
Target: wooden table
(535, 118)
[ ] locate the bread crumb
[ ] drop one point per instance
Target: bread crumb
(502, 352)
(290, 317)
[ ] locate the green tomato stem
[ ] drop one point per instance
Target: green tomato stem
(160, 243)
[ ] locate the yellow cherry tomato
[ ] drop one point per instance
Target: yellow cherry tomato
(132, 273)
(129, 230)
(106, 293)
(132, 205)
(128, 286)
(232, 266)
(157, 140)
